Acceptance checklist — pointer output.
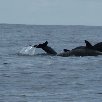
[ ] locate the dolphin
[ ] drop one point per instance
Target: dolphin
(46, 48)
(97, 46)
(87, 50)
(88, 45)
(80, 52)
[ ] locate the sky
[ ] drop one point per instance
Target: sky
(51, 12)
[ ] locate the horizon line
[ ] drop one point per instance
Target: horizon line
(49, 24)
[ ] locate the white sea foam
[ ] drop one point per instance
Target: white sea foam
(27, 50)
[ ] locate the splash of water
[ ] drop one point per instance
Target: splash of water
(27, 50)
(23, 50)
(33, 52)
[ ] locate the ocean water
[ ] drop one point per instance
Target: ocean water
(36, 77)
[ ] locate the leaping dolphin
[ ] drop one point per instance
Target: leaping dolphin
(46, 48)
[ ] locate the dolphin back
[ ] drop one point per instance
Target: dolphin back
(98, 46)
(80, 52)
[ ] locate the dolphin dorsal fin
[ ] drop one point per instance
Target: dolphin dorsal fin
(88, 44)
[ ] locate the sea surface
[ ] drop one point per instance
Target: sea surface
(39, 77)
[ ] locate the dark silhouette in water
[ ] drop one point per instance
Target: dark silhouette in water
(46, 48)
(87, 50)
(87, 46)
(98, 46)
(66, 50)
